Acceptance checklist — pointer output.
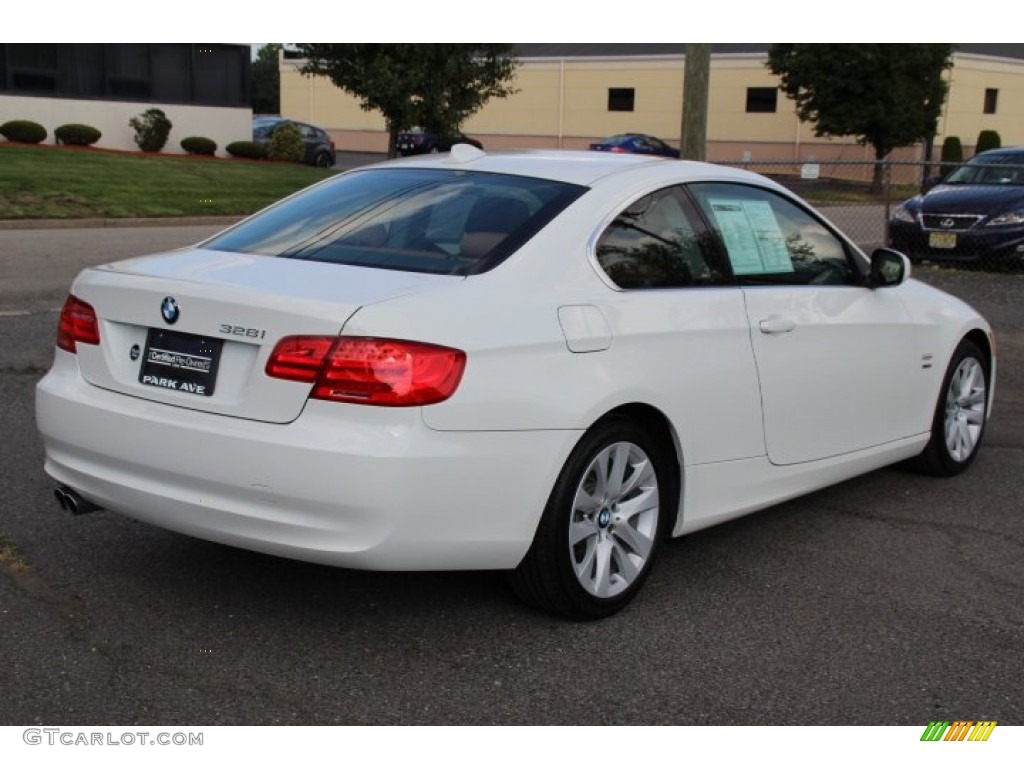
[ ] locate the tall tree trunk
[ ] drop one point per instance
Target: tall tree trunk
(878, 178)
(695, 101)
(392, 141)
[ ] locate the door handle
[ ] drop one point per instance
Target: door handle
(776, 324)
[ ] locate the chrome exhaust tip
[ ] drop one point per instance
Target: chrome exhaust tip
(70, 500)
(61, 497)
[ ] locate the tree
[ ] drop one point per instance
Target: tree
(435, 86)
(887, 96)
(696, 77)
(266, 81)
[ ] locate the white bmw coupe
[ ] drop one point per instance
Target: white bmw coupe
(545, 362)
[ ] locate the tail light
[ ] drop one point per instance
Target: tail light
(618, 149)
(78, 325)
(372, 371)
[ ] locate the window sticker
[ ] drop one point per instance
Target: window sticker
(752, 236)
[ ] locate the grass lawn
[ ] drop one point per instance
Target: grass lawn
(61, 183)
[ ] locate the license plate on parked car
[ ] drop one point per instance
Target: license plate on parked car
(180, 361)
(942, 240)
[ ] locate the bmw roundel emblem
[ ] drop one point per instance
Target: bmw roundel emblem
(169, 309)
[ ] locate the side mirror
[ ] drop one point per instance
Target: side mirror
(931, 181)
(888, 267)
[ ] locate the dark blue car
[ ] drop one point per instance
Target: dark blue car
(974, 214)
(637, 144)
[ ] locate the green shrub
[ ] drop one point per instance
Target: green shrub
(23, 130)
(199, 145)
(286, 144)
(77, 135)
(151, 129)
(988, 140)
(952, 154)
(247, 149)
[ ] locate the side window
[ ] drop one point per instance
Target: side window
(654, 244)
(772, 240)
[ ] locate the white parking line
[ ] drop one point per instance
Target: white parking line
(28, 312)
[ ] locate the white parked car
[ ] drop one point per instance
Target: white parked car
(546, 362)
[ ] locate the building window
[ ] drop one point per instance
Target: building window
(33, 67)
(762, 99)
(621, 99)
(991, 98)
(172, 73)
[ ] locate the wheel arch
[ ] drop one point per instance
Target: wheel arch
(985, 344)
(658, 425)
(979, 337)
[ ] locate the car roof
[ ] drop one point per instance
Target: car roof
(270, 120)
(622, 137)
(1001, 151)
(580, 167)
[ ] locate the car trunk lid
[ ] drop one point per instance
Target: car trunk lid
(229, 311)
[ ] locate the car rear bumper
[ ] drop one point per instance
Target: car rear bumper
(347, 485)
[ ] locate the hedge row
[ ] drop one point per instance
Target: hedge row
(29, 132)
(151, 129)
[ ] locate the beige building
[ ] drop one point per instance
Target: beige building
(569, 95)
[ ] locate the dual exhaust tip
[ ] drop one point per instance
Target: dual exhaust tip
(70, 501)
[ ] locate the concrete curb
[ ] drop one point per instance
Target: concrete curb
(178, 221)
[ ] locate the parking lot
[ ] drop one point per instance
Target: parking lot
(890, 599)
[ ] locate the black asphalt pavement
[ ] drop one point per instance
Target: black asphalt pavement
(889, 599)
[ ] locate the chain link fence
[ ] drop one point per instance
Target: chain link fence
(982, 227)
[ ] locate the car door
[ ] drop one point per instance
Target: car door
(310, 141)
(678, 315)
(835, 360)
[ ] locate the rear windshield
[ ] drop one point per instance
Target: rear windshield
(263, 128)
(618, 141)
(416, 220)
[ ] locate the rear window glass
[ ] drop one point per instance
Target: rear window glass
(417, 220)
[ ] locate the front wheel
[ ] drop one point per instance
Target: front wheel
(600, 531)
(959, 422)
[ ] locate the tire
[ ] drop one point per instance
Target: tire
(960, 415)
(602, 526)
(323, 160)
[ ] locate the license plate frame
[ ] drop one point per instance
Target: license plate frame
(180, 362)
(942, 240)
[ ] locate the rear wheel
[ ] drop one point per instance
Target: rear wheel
(600, 531)
(323, 160)
(959, 422)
